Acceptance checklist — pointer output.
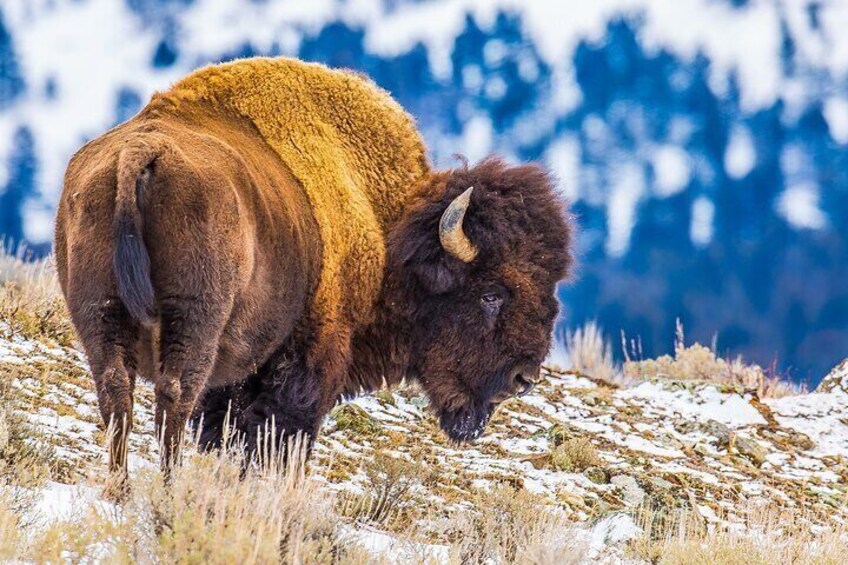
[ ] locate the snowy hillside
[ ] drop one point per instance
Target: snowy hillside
(703, 142)
(600, 456)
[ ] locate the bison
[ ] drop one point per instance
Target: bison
(267, 237)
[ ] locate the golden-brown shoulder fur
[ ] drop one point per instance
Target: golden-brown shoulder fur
(356, 152)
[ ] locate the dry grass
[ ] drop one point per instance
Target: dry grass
(31, 303)
(33, 317)
(769, 536)
(354, 419)
(514, 526)
(590, 353)
(9, 528)
(387, 498)
(574, 456)
(25, 460)
(36, 276)
(213, 511)
(92, 536)
(210, 511)
(505, 524)
(699, 363)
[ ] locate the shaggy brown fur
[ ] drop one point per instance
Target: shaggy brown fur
(265, 237)
(357, 155)
(473, 334)
(245, 206)
(438, 322)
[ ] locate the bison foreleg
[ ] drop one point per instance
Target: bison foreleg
(215, 411)
(285, 406)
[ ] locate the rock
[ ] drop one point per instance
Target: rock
(717, 430)
(711, 428)
(836, 380)
(632, 493)
(667, 440)
(749, 448)
(594, 398)
(597, 475)
(787, 436)
(703, 450)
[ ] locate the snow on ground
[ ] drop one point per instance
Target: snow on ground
(706, 403)
(57, 501)
(662, 443)
(823, 417)
(398, 551)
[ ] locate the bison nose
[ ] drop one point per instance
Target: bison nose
(524, 378)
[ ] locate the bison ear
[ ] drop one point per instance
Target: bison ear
(447, 269)
(440, 276)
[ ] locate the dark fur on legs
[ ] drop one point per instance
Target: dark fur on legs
(214, 412)
(282, 399)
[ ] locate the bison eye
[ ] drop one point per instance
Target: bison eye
(491, 303)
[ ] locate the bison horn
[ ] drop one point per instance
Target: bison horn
(451, 235)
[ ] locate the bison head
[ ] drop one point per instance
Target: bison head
(473, 268)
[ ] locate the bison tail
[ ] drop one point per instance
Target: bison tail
(132, 260)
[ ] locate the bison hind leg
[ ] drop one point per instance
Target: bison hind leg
(190, 330)
(109, 336)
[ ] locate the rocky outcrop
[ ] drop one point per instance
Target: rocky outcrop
(836, 380)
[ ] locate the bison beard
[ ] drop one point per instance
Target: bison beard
(430, 323)
(467, 423)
